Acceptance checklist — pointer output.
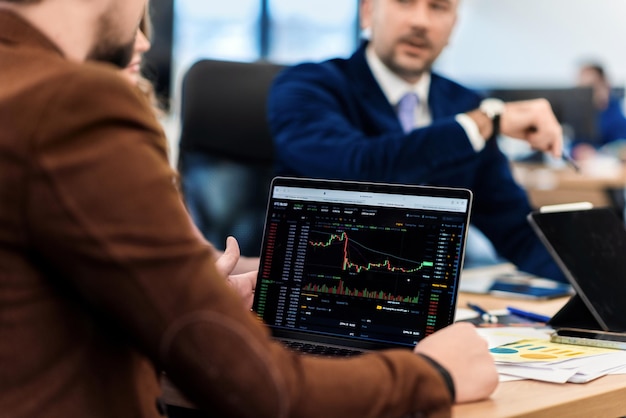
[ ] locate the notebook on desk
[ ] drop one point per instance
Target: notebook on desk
(360, 266)
(590, 248)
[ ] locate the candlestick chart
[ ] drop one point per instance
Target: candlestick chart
(374, 264)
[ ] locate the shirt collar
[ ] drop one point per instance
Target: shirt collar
(393, 86)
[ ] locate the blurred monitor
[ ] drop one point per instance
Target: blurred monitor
(573, 108)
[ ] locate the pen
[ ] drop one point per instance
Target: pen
(528, 315)
(486, 316)
(569, 160)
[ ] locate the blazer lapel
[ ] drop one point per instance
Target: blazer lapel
(437, 100)
(369, 93)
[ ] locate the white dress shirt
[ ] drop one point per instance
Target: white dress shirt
(394, 88)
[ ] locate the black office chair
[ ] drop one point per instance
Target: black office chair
(226, 151)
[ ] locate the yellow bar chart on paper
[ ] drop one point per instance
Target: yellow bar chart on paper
(536, 350)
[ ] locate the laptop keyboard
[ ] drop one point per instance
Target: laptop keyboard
(320, 350)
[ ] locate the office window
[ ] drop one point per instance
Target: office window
(311, 30)
(217, 29)
(284, 31)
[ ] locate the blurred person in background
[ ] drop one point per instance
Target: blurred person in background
(384, 115)
(610, 119)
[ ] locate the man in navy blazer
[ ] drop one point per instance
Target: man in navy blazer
(337, 119)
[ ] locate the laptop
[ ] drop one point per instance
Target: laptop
(353, 266)
(590, 248)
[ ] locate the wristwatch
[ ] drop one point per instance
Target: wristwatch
(493, 109)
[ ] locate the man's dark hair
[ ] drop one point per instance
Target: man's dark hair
(598, 68)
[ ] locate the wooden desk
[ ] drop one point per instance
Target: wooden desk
(604, 397)
(550, 186)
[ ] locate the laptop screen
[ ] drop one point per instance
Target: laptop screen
(363, 264)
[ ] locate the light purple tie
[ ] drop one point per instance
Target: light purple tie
(406, 111)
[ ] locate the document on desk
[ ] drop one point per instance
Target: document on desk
(533, 356)
(496, 337)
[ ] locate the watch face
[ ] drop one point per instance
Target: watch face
(492, 107)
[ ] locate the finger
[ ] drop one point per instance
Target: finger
(244, 284)
(554, 145)
(241, 283)
(557, 148)
(228, 260)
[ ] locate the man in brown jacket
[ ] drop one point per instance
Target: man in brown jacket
(104, 281)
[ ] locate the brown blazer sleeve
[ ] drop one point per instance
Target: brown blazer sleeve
(103, 210)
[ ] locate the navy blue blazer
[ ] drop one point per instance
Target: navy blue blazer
(332, 120)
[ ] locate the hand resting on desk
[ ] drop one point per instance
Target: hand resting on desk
(460, 350)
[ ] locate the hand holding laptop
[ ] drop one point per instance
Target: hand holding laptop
(464, 354)
(245, 282)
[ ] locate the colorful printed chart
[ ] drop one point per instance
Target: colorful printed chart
(536, 350)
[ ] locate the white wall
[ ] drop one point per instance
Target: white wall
(535, 42)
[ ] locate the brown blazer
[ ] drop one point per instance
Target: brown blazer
(104, 280)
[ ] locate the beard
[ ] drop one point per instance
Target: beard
(406, 66)
(119, 55)
(108, 48)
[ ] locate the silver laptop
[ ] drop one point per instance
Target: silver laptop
(353, 266)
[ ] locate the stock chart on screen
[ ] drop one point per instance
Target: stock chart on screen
(358, 270)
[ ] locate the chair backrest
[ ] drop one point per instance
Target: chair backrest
(226, 150)
(223, 110)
